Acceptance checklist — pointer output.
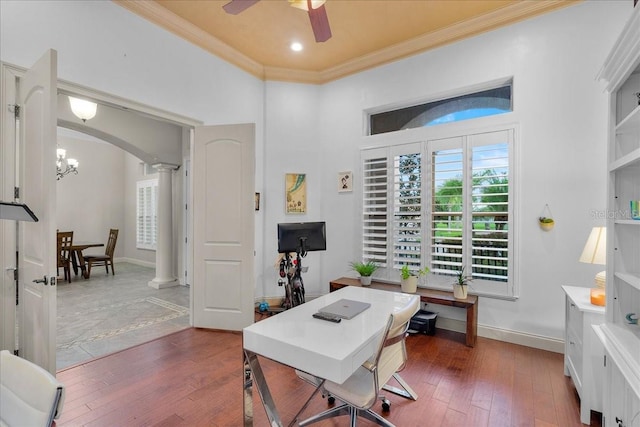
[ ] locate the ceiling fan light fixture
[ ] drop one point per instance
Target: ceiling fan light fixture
(302, 4)
(296, 46)
(83, 109)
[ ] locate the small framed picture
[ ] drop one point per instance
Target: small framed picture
(345, 181)
(296, 193)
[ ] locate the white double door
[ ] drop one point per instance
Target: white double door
(222, 217)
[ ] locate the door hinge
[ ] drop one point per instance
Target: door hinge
(15, 109)
(16, 193)
(605, 360)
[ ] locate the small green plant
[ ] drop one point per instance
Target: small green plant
(461, 279)
(364, 269)
(405, 272)
(545, 220)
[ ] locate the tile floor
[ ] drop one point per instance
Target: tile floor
(107, 313)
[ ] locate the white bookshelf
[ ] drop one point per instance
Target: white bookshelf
(619, 334)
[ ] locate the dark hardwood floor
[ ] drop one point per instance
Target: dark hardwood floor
(194, 378)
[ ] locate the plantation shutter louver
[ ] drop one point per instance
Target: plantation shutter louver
(447, 209)
(490, 205)
(375, 208)
(407, 208)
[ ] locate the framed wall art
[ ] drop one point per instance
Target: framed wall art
(295, 185)
(345, 181)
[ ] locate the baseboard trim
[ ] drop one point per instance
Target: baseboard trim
(498, 334)
(136, 262)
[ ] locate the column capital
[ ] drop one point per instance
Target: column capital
(165, 166)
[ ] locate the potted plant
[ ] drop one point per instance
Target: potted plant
(460, 286)
(546, 223)
(365, 270)
(409, 282)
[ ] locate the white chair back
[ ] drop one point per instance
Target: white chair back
(29, 395)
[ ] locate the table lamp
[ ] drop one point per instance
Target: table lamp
(595, 252)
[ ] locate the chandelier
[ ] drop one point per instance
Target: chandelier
(65, 166)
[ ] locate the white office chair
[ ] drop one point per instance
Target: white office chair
(360, 391)
(29, 395)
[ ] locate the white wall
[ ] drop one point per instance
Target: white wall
(562, 113)
(318, 130)
(91, 203)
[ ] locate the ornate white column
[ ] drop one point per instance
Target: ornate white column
(164, 274)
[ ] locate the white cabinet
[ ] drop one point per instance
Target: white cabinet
(582, 350)
(621, 400)
(620, 334)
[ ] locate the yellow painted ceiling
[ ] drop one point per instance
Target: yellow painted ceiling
(365, 33)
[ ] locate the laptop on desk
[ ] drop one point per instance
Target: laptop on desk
(345, 308)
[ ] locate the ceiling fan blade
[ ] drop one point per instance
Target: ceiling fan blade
(234, 7)
(320, 24)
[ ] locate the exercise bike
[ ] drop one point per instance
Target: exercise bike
(290, 271)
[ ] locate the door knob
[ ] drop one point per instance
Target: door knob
(43, 280)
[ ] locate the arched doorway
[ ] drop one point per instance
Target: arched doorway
(116, 149)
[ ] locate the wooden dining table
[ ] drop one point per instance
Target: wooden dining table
(77, 258)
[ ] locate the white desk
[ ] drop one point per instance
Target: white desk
(332, 351)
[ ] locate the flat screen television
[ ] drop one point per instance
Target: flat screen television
(302, 237)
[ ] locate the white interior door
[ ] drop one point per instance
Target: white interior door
(223, 169)
(37, 246)
(8, 235)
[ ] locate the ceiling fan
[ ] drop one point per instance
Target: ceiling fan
(315, 8)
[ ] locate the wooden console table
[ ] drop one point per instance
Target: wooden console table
(427, 295)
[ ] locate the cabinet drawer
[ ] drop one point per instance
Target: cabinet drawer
(574, 356)
(574, 319)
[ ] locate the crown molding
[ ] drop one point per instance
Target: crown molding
(520, 11)
(505, 16)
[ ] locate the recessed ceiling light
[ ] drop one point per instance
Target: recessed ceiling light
(296, 46)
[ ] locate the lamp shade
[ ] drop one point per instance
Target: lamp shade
(595, 250)
(82, 108)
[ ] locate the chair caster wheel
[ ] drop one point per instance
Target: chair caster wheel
(386, 405)
(331, 400)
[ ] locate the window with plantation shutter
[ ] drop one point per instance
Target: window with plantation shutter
(470, 212)
(147, 220)
(445, 204)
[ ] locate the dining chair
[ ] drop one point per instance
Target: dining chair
(29, 395)
(361, 390)
(64, 242)
(107, 258)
